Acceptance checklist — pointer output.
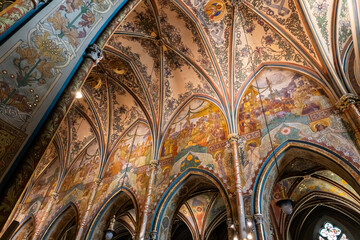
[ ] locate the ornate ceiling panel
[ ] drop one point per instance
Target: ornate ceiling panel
(141, 21)
(182, 35)
(214, 20)
(319, 13)
(49, 155)
(261, 45)
(286, 17)
(181, 81)
(137, 65)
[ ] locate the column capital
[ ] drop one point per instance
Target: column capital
(98, 181)
(54, 195)
(37, 3)
(95, 53)
(153, 235)
(258, 218)
(154, 163)
(233, 137)
(346, 100)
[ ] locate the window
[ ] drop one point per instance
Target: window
(329, 232)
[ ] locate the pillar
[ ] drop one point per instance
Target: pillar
(233, 140)
(348, 104)
(88, 209)
(51, 202)
(259, 226)
(154, 164)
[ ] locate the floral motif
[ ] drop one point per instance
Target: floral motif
(286, 14)
(34, 65)
(320, 9)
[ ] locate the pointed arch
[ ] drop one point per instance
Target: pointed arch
(180, 187)
(108, 208)
(67, 215)
(285, 153)
(26, 229)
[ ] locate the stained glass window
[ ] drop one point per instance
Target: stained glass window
(329, 232)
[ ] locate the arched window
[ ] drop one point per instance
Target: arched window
(330, 232)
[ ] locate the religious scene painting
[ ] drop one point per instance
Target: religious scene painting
(181, 119)
(295, 107)
(128, 164)
(196, 138)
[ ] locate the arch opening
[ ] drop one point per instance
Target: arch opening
(64, 226)
(118, 218)
(195, 198)
(302, 175)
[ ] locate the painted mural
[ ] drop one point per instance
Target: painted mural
(138, 103)
(40, 192)
(295, 108)
(196, 138)
(128, 165)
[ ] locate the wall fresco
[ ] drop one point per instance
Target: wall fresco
(128, 165)
(195, 139)
(13, 13)
(295, 108)
(40, 191)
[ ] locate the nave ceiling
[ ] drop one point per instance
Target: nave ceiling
(170, 61)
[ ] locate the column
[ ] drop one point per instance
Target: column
(259, 226)
(233, 140)
(154, 164)
(348, 105)
(52, 200)
(230, 228)
(90, 203)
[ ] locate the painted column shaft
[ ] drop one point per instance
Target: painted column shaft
(356, 114)
(46, 214)
(147, 201)
(348, 105)
(90, 203)
(259, 226)
(239, 196)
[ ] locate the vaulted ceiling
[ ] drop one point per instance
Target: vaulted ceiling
(167, 52)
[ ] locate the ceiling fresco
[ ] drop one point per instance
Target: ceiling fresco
(168, 44)
(200, 211)
(177, 78)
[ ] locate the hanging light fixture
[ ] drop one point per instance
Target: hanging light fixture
(284, 203)
(109, 233)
